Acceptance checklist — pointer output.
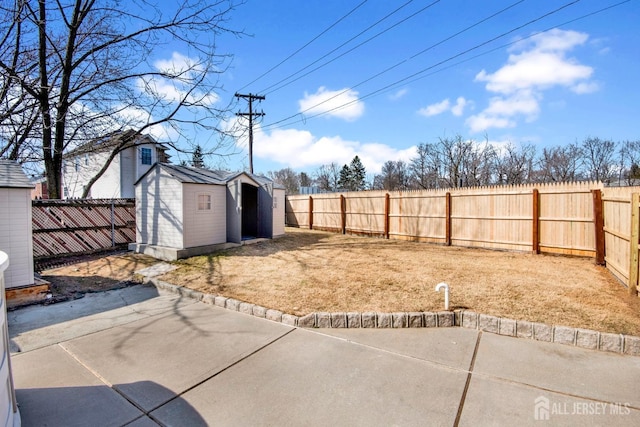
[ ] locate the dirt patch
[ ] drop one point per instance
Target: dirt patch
(95, 273)
(307, 271)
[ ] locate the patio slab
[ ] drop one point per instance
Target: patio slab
(585, 373)
(37, 326)
(53, 389)
(307, 378)
(150, 361)
(449, 346)
(494, 402)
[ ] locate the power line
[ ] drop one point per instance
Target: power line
(305, 45)
(355, 47)
(342, 45)
(412, 57)
(412, 76)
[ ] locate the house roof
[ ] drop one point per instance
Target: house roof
(12, 175)
(190, 175)
(129, 137)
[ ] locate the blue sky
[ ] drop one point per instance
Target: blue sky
(547, 88)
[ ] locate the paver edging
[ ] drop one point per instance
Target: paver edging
(576, 337)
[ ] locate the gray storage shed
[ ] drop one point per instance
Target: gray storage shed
(15, 224)
(183, 211)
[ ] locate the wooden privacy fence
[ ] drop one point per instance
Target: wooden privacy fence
(583, 219)
(62, 227)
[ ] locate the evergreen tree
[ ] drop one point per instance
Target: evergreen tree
(197, 159)
(344, 182)
(358, 175)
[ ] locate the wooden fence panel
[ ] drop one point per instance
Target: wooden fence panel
(566, 219)
(327, 212)
(365, 213)
(497, 218)
(62, 227)
(297, 211)
(618, 229)
(418, 216)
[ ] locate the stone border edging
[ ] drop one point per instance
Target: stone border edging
(583, 338)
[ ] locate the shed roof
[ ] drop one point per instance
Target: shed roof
(186, 174)
(190, 175)
(12, 175)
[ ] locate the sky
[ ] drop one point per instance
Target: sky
(376, 78)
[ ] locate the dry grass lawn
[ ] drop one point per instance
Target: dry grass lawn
(308, 271)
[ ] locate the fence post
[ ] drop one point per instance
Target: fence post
(310, 213)
(113, 225)
(635, 232)
(536, 222)
(386, 215)
(598, 222)
(343, 214)
(447, 213)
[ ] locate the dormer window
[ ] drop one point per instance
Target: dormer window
(145, 156)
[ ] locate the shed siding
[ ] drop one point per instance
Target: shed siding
(204, 227)
(278, 212)
(159, 219)
(15, 235)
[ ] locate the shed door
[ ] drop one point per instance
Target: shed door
(233, 212)
(249, 212)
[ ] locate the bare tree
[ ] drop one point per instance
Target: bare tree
(516, 165)
(425, 166)
(288, 178)
(327, 177)
(394, 176)
(629, 168)
(88, 68)
(560, 164)
(598, 155)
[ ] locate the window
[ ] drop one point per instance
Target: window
(76, 164)
(145, 156)
(204, 202)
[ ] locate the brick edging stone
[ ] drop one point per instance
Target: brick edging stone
(584, 338)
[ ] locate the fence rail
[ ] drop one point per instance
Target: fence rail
(64, 227)
(583, 219)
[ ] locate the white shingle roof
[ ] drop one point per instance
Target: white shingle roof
(12, 175)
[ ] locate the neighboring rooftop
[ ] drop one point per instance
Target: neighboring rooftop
(129, 138)
(12, 175)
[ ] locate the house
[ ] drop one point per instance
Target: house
(183, 211)
(136, 156)
(15, 224)
(40, 190)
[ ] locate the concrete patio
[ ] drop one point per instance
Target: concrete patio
(139, 358)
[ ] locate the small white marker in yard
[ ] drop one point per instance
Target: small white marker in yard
(446, 293)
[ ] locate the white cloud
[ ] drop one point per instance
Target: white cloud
(458, 109)
(399, 94)
(331, 102)
(444, 106)
(435, 109)
(585, 87)
(178, 63)
(534, 66)
(301, 149)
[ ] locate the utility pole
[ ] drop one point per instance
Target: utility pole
(250, 97)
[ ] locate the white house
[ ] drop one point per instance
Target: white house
(183, 211)
(136, 156)
(15, 224)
